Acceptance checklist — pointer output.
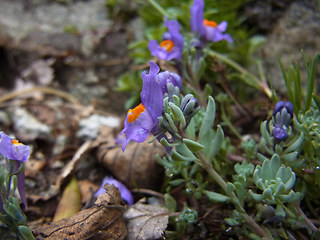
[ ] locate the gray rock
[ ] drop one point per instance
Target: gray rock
(28, 125)
(299, 28)
(89, 127)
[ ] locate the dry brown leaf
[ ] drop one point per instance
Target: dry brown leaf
(70, 202)
(137, 165)
(102, 221)
(146, 221)
(87, 189)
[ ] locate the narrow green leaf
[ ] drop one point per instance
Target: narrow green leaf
(280, 211)
(25, 232)
(265, 134)
(178, 113)
(178, 157)
(286, 80)
(255, 196)
(290, 157)
(291, 181)
(310, 84)
(191, 130)
(192, 145)
(171, 122)
(316, 100)
(267, 194)
(296, 145)
(297, 89)
(216, 197)
(274, 165)
(176, 182)
(16, 213)
(217, 142)
(170, 202)
(230, 188)
(208, 120)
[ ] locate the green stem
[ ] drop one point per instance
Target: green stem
(257, 83)
(229, 124)
(158, 7)
(204, 163)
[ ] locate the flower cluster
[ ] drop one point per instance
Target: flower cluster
(172, 44)
(282, 115)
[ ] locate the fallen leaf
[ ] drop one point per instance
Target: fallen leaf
(146, 221)
(103, 221)
(137, 166)
(87, 189)
(70, 202)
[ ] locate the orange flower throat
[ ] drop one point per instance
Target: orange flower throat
(209, 23)
(15, 142)
(133, 114)
(167, 44)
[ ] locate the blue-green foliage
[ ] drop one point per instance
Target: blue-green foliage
(11, 214)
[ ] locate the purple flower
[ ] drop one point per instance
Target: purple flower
(142, 119)
(209, 30)
(13, 150)
(171, 46)
(281, 105)
(165, 78)
(280, 134)
(282, 116)
(125, 193)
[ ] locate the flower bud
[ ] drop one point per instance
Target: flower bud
(280, 134)
(283, 105)
(282, 117)
(165, 78)
(189, 105)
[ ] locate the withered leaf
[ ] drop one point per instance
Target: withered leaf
(70, 202)
(136, 165)
(146, 221)
(102, 221)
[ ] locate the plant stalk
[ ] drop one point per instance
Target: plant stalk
(258, 83)
(204, 163)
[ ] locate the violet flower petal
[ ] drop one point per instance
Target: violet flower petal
(151, 94)
(156, 50)
(21, 177)
(174, 31)
(196, 12)
(13, 150)
(142, 119)
(138, 130)
(163, 78)
(125, 193)
(173, 35)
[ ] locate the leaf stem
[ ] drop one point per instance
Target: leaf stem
(158, 7)
(204, 163)
(259, 84)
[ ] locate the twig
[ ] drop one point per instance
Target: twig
(306, 219)
(148, 191)
(47, 90)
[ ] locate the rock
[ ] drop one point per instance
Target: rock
(298, 28)
(89, 51)
(28, 125)
(89, 127)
